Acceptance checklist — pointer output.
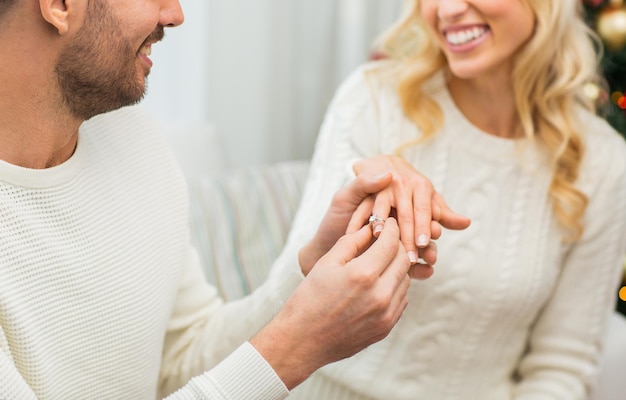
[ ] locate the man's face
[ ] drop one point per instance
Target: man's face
(103, 68)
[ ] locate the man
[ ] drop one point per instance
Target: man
(101, 295)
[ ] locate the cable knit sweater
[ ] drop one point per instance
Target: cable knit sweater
(511, 312)
(101, 295)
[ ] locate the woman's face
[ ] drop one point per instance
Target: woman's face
(479, 38)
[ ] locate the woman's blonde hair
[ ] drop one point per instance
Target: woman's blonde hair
(551, 72)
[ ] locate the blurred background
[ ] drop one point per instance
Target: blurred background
(608, 19)
(259, 74)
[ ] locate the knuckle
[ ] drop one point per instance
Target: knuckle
(402, 274)
(406, 218)
(422, 208)
(381, 301)
(406, 283)
(388, 320)
(402, 179)
(391, 317)
(422, 183)
(362, 278)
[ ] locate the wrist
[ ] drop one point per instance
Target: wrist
(280, 345)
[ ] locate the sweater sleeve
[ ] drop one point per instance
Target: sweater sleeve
(204, 330)
(566, 342)
(12, 384)
(243, 375)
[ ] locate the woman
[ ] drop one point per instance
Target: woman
(485, 98)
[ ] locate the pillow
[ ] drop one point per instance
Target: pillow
(240, 220)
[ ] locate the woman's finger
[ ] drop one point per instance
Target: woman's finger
(406, 222)
(380, 211)
(422, 205)
(421, 271)
(435, 230)
(445, 216)
(429, 253)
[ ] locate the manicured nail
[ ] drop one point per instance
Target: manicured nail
(378, 229)
(422, 241)
(412, 257)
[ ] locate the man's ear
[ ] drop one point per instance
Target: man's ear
(57, 13)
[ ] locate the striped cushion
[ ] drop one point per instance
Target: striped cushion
(240, 220)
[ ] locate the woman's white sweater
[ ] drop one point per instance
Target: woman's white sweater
(511, 311)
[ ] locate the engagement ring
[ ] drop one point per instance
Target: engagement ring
(375, 218)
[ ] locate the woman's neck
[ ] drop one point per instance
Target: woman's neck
(489, 104)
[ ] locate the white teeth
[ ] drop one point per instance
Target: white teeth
(462, 37)
(146, 50)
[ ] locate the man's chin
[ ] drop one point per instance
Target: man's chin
(86, 113)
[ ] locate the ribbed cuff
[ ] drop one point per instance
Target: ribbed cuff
(245, 374)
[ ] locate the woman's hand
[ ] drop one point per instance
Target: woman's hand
(411, 198)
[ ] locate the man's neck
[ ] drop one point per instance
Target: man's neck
(34, 135)
(36, 128)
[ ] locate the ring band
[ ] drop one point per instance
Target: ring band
(375, 218)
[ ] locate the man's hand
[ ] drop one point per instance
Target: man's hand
(336, 220)
(352, 298)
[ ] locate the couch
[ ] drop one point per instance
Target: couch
(240, 218)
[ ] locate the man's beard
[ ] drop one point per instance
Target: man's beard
(97, 73)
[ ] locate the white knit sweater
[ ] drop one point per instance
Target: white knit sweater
(510, 311)
(101, 296)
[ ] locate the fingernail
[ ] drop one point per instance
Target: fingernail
(378, 229)
(422, 241)
(412, 257)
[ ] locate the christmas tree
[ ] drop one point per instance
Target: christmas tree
(608, 19)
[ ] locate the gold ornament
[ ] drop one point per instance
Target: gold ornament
(592, 91)
(612, 27)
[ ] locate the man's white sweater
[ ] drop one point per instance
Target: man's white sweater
(101, 295)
